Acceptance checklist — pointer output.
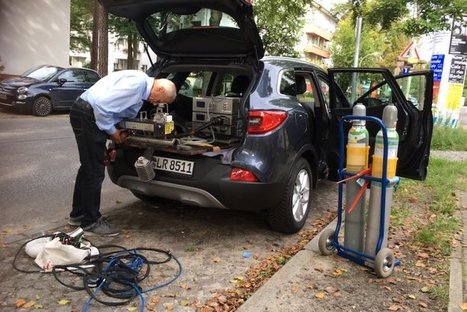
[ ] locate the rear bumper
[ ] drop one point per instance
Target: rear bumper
(185, 194)
(251, 196)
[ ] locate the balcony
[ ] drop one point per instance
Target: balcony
(314, 49)
(314, 30)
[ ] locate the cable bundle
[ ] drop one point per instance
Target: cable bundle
(114, 276)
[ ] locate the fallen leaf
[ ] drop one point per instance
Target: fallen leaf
(184, 303)
(394, 307)
(222, 299)
(184, 286)
(397, 300)
(338, 272)
(425, 289)
(20, 302)
(411, 297)
(169, 306)
(391, 281)
(388, 288)
(63, 301)
(423, 255)
(29, 304)
(216, 259)
(131, 309)
(331, 290)
(420, 264)
(423, 304)
(320, 295)
(155, 299)
(38, 306)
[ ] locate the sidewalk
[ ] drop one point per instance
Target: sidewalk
(295, 288)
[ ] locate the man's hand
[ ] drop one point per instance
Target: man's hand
(119, 136)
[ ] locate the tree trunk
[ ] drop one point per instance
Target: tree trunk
(130, 52)
(95, 40)
(100, 43)
(135, 50)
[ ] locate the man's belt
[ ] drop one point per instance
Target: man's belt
(83, 104)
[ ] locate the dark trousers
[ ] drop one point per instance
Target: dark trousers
(91, 146)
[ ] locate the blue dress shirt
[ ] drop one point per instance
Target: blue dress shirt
(118, 96)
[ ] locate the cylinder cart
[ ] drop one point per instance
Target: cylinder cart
(382, 260)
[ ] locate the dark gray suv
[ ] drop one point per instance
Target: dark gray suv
(246, 131)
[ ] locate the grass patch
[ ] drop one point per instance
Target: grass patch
(436, 197)
(449, 139)
(439, 233)
(399, 215)
(444, 177)
(441, 294)
(424, 213)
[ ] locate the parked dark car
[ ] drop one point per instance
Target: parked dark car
(43, 89)
(251, 132)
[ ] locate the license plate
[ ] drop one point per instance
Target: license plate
(174, 165)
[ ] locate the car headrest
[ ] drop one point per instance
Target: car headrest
(300, 84)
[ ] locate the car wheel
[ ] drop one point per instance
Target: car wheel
(42, 106)
(291, 214)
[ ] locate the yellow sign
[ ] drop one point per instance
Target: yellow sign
(453, 100)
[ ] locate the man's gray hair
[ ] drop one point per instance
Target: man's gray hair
(169, 87)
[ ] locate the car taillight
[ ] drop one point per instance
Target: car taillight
(238, 174)
(264, 121)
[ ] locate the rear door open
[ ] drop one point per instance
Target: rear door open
(376, 88)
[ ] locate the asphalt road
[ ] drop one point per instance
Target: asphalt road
(38, 164)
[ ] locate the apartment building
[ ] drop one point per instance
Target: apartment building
(320, 25)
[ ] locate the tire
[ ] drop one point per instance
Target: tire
(384, 263)
(290, 215)
(325, 242)
(42, 106)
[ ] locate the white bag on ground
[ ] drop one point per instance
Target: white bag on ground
(57, 253)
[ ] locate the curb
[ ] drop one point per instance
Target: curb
(458, 262)
(269, 291)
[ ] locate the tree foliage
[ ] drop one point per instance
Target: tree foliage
(80, 25)
(416, 17)
(280, 23)
(124, 29)
(378, 48)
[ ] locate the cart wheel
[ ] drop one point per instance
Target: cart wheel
(384, 262)
(325, 242)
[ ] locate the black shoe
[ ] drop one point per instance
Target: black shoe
(101, 227)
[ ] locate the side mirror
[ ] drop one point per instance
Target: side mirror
(61, 81)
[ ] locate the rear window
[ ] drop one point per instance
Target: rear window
(166, 22)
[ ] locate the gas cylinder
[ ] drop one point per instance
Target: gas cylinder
(356, 161)
(375, 209)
